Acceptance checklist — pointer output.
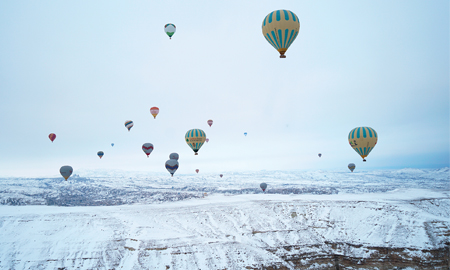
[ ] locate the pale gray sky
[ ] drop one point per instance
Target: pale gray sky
(81, 69)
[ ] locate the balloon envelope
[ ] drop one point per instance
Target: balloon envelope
(210, 122)
(221, 175)
(66, 171)
(100, 154)
(351, 166)
(280, 28)
(147, 148)
(129, 124)
(263, 186)
(170, 29)
(245, 133)
(154, 111)
(174, 156)
(195, 138)
(320, 154)
(52, 136)
(172, 166)
(197, 170)
(112, 144)
(206, 140)
(363, 140)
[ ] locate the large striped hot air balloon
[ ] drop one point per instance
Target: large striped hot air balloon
(170, 29)
(129, 124)
(195, 138)
(363, 140)
(280, 28)
(154, 111)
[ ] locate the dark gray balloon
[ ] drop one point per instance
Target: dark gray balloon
(66, 171)
(174, 156)
(172, 166)
(351, 166)
(263, 186)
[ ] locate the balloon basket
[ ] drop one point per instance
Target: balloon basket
(196, 153)
(282, 56)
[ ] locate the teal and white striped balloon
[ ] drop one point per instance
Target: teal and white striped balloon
(280, 28)
(195, 138)
(363, 140)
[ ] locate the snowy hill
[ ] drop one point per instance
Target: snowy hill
(306, 220)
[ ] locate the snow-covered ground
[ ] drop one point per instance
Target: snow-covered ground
(306, 220)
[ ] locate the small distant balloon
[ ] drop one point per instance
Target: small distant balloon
(197, 170)
(66, 171)
(129, 124)
(221, 175)
(174, 156)
(351, 166)
(320, 154)
(154, 111)
(206, 140)
(52, 136)
(263, 186)
(147, 148)
(245, 133)
(112, 144)
(170, 29)
(100, 154)
(172, 166)
(210, 122)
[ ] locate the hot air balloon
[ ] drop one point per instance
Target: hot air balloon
(154, 111)
(100, 154)
(210, 122)
(112, 144)
(52, 136)
(174, 156)
(351, 166)
(245, 133)
(320, 154)
(363, 140)
(197, 170)
(129, 124)
(206, 140)
(221, 175)
(195, 138)
(172, 166)
(147, 148)
(263, 186)
(66, 171)
(280, 28)
(170, 29)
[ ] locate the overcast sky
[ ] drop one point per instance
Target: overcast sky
(80, 69)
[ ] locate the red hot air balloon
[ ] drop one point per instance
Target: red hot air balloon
(210, 122)
(197, 170)
(52, 136)
(154, 111)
